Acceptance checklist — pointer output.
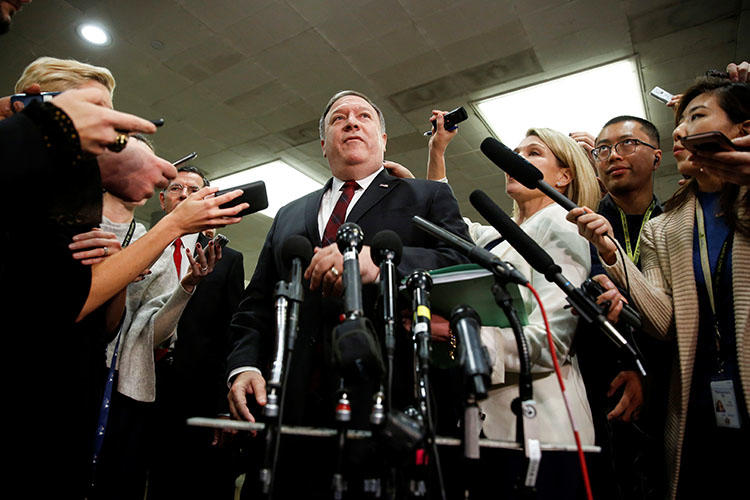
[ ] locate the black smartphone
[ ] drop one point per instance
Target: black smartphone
(708, 142)
(220, 240)
(27, 99)
(450, 120)
(253, 193)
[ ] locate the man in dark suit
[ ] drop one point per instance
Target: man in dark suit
(189, 463)
(353, 139)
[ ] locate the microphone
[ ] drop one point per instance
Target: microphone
(543, 263)
(349, 239)
(419, 283)
(476, 254)
(472, 354)
(386, 251)
(295, 254)
(521, 170)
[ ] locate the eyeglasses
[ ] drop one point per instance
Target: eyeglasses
(179, 188)
(623, 148)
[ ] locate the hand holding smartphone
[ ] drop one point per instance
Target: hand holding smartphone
(253, 193)
(708, 142)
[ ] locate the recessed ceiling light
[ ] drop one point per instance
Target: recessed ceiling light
(94, 34)
(581, 101)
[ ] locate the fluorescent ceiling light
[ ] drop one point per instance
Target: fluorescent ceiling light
(284, 183)
(94, 34)
(583, 101)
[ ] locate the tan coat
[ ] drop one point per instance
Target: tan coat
(666, 295)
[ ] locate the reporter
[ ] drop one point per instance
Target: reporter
(705, 227)
(565, 166)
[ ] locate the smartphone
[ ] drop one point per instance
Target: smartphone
(450, 120)
(253, 193)
(220, 240)
(27, 99)
(184, 159)
(661, 94)
(708, 142)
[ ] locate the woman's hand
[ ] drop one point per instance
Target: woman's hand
(730, 166)
(201, 265)
(200, 211)
(94, 246)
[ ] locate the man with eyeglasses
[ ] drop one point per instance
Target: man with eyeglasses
(190, 370)
(625, 154)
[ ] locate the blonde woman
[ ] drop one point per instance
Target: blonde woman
(566, 167)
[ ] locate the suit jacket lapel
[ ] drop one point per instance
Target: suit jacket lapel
(380, 186)
(311, 214)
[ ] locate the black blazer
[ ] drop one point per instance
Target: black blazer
(200, 352)
(388, 203)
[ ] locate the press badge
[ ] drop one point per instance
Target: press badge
(725, 404)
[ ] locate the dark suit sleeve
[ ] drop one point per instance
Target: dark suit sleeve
(440, 208)
(235, 284)
(254, 316)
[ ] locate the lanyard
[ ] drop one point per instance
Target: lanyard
(129, 235)
(712, 285)
(634, 255)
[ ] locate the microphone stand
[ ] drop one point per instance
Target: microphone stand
(419, 282)
(524, 406)
(272, 409)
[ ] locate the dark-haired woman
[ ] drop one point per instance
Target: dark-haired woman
(695, 286)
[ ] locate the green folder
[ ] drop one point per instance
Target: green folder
(471, 285)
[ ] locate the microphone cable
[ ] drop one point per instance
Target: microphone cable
(558, 372)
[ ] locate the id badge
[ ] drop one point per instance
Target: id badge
(725, 404)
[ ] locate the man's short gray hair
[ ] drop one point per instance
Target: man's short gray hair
(338, 95)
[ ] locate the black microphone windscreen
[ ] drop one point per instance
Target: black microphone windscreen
(296, 246)
(463, 311)
(511, 162)
(384, 241)
(524, 245)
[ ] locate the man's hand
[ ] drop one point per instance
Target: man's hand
(326, 269)
(97, 123)
(629, 406)
(440, 328)
(594, 227)
(611, 294)
(133, 173)
(94, 246)
(201, 265)
(250, 382)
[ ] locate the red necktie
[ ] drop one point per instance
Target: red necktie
(338, 216)
(177, 256)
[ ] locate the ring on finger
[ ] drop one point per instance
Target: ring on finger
(204, 269)
(334, 271)
(119, 144)
(106, 251)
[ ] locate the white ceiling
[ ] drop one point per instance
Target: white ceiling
(243, 82)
